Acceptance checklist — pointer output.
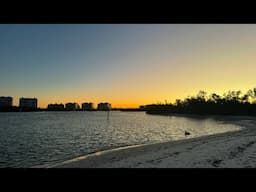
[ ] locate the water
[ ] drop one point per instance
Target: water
(38, 138)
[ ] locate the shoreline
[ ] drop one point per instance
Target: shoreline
(210, 151)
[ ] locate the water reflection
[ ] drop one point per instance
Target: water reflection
(29, 139)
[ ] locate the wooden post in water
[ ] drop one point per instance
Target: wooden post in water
(108, 114)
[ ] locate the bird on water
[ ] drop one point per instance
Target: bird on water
(187, 133)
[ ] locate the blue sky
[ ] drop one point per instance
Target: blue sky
(126, 65)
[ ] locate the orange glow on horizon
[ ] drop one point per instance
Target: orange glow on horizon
(165, 97)
(44, 104)
(149, 64)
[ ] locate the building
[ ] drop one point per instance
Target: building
(72, 106)
(28, 103)
(56, 107)
(6, 102)
(87, 106)
(104, 106)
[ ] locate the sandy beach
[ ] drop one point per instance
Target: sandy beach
(226, 150)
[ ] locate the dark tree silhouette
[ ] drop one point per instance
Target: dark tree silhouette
(231, 103)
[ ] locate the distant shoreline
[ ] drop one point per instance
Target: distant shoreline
(165, 154)
(17, 109)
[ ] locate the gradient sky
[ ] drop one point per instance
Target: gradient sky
(126, 65)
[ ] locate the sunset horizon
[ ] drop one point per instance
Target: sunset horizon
(129, 104)
(125, 65)
(127, 96)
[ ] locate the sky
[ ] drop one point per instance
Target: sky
(125, 64)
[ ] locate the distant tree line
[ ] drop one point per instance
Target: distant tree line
(231, 103)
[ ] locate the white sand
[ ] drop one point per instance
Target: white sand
(234, 149)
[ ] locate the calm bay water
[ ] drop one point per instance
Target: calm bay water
(37, 138)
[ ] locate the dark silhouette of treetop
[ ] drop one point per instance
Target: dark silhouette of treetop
(230, 103)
